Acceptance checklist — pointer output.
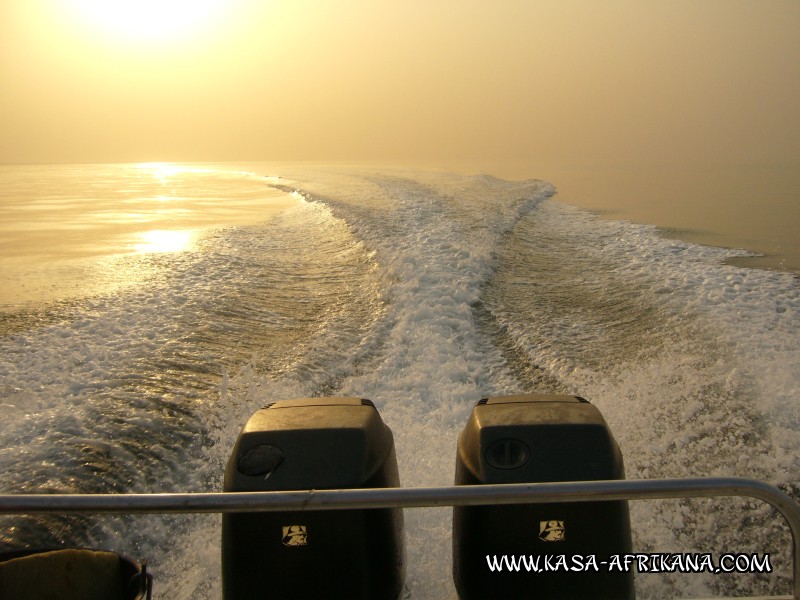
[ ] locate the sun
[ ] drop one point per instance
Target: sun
(147, 20)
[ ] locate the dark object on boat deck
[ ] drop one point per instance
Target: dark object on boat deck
(532, 439)
(313, 443)
(72, 574)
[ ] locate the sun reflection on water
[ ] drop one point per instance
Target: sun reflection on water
(164, 240)
(163, 171)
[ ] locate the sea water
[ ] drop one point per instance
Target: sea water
(422, 291)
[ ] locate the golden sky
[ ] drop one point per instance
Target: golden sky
(555, 81)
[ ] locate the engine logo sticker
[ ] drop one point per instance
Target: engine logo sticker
(294, 536)
(552, 531)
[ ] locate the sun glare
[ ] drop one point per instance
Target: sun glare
(160, 240)
(162, 171)
(148, 20)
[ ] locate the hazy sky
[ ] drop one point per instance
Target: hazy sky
(427, 80)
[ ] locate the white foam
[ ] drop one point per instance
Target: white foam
(689, 359)
(370, 286)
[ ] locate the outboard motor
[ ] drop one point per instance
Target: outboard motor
(313, 443)
(528, 439)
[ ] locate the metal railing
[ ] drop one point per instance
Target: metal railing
(467, 495)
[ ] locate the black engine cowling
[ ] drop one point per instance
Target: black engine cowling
(313, 443)
(530, 439)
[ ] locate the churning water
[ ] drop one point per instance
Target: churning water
(421, 291)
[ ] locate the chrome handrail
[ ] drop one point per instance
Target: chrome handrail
(466, 495)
